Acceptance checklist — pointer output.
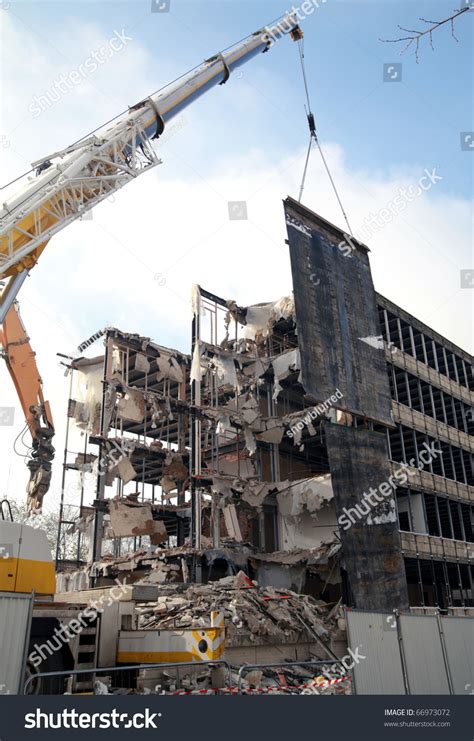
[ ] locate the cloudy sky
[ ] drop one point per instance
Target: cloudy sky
(133, 264)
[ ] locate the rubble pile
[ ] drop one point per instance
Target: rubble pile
(259, 612)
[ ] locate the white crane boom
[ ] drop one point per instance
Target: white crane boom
(74, 180)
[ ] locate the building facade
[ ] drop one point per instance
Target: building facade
(322, 441)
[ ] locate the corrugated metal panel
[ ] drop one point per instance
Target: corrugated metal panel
(380, 673)
(423, 654)
(369, 528)
(14, 621)
(459, 642)
(339, 333)
(377, 636)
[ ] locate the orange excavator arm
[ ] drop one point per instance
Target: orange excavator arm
(21, 363)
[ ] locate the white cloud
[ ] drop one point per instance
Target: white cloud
(174, 221)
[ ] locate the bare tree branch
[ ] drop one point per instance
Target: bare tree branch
(416, 35)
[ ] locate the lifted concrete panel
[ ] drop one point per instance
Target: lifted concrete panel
(339, 335)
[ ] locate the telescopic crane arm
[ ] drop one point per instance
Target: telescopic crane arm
(73, 180)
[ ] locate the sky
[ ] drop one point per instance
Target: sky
(133, 264)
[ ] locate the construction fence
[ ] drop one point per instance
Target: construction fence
(406, 654)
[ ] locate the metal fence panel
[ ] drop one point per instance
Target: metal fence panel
(429, 669)
(375, 635)
(459, 642)
(423, 652)
(14, 634)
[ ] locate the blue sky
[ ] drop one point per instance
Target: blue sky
(380, 124)
(245, 141)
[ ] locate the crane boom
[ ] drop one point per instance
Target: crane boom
(71, 181)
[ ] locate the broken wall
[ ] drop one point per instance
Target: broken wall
(307, 514)
(85, 405)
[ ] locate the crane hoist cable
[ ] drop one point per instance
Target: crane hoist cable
(313, 137)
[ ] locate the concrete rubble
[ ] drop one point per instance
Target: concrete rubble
(247, 608)
(160, 565)
(263, 616)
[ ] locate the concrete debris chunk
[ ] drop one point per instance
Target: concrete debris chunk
(254, 678)
(242, 581)
(260, 318)
(283, 366)
(127, 519)
(310, 495)
(232, 522)
(125, 470)
(141, 363)
(131, 407)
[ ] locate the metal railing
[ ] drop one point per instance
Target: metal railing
(194, 664)
(5, 503)
(125, 667)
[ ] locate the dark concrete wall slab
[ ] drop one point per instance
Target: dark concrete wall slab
(336, 315)
(368, 526)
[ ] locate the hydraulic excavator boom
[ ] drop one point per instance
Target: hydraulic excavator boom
(21, 363)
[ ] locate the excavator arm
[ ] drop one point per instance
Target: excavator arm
(21, 364)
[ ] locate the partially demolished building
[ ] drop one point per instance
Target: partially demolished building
(320, 443)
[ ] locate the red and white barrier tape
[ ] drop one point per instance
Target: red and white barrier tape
(321, 684)
(330, 682)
